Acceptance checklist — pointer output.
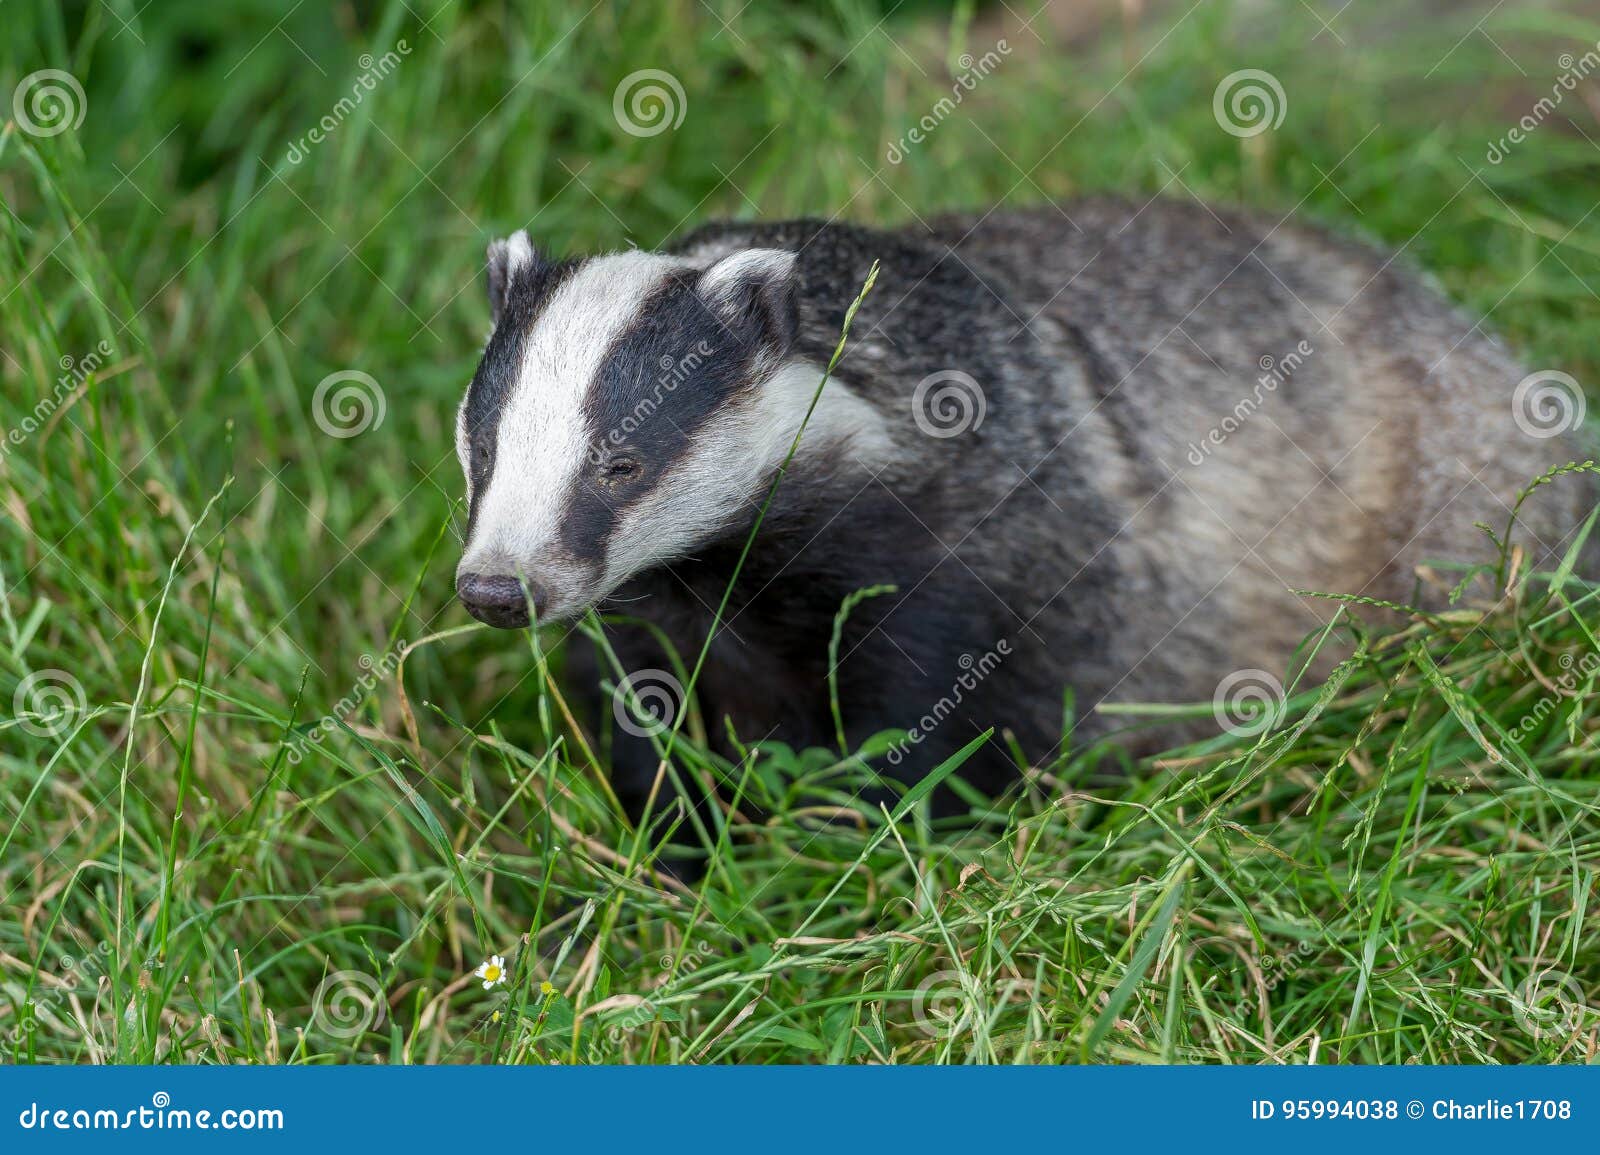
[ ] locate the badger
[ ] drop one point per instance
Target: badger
(1089, 449)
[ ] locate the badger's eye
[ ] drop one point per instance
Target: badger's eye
(620, 469)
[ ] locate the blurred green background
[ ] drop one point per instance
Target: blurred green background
(231, 266)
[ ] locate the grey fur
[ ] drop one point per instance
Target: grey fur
(1074, 522)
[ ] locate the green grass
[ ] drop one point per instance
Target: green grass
(1391, 874)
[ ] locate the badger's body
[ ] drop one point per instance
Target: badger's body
(1185, 414)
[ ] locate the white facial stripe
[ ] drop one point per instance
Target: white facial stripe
(541, 442)
(462, 454)
(732, 458)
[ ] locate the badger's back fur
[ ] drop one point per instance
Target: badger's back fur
(1093, 446)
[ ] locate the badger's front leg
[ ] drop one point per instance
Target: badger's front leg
(632, 722)
(746, 685)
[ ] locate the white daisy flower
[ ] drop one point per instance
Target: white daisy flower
(492, 972)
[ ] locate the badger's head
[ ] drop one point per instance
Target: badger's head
(627, 411)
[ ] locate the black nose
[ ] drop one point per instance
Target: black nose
(497, 599)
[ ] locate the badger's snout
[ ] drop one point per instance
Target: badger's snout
(498, 599)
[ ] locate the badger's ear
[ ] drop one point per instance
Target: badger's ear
(756, 293)
(505, 259)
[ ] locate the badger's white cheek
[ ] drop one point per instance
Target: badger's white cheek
(666, 525)
(719, 480)
(691, 506)
(734, 459)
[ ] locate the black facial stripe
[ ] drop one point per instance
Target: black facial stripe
(587, 521)
(532, 287)
(663, 378)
